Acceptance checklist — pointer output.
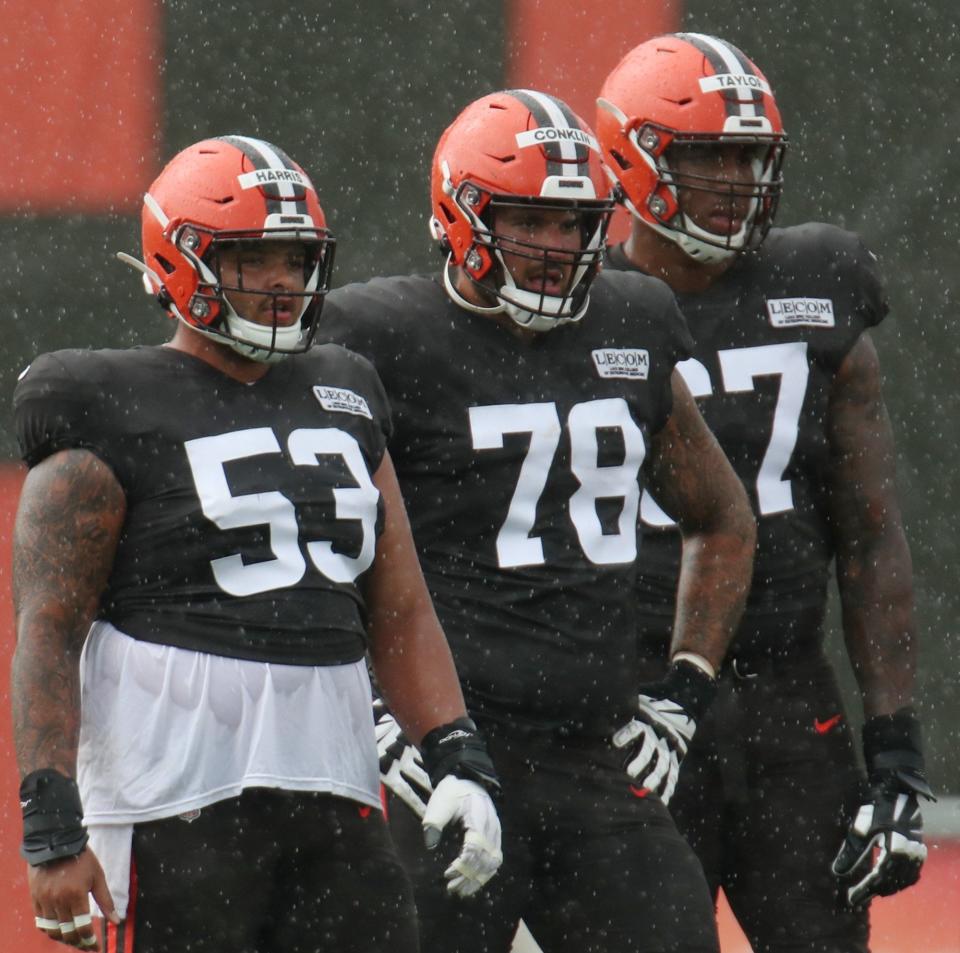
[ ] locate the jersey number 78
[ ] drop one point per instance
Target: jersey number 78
(515, 544)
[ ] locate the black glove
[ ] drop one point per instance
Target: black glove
(401, 767)
(884, 850)
(657, 737)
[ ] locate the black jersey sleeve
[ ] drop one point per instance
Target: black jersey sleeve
(872, 305)
(59, 404)
(851, 269)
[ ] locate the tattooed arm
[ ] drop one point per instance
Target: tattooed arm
(692, 479)
(68, 523)
(874, 569)
(65, 537)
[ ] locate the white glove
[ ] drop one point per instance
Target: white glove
(469, 804)
(657, 737)
(401, 767)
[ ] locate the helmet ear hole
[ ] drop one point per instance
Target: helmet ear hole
(165, 264)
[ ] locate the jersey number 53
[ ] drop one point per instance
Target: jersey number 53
(207, 456)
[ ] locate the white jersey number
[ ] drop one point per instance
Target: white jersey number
(515, 545)
(207, 456)
(740, 367)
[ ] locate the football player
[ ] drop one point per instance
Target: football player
(533, 398)
(787, 377)
(209, 542)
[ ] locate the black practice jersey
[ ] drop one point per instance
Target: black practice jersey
(770, 336)
(251, 515)
(520, 463)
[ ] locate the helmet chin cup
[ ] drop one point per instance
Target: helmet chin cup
(537, 312)
(264, 343)
(704, 250)
(261, 343)
(527, 309)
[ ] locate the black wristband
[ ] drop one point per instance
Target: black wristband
(893, 751)
(52, 817)
(457, 748)
(690, 687)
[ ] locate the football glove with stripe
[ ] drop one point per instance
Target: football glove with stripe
(401, 767)
(884, 850)
(656, 739)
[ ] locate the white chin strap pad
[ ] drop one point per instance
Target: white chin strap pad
(522, 307)
(258, 341)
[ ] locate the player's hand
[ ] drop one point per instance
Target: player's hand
(656, 739)
(463, 778)
(463, 801)
(401, 767)
(61, 906)
(884, 850)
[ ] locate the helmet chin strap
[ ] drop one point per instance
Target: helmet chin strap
(459, 299)
(256, 338)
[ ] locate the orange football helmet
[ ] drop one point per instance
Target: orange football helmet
(512, 148)
(228, 190)
(688, 89)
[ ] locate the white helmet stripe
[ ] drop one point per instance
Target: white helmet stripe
(153, 206)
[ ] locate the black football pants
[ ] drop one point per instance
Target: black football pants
(268, 872)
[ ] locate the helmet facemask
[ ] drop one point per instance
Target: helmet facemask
(537, 308)
(751, 201)
(221, 268)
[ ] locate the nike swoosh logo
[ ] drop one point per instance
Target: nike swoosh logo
(822, 727)
(639, 792)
